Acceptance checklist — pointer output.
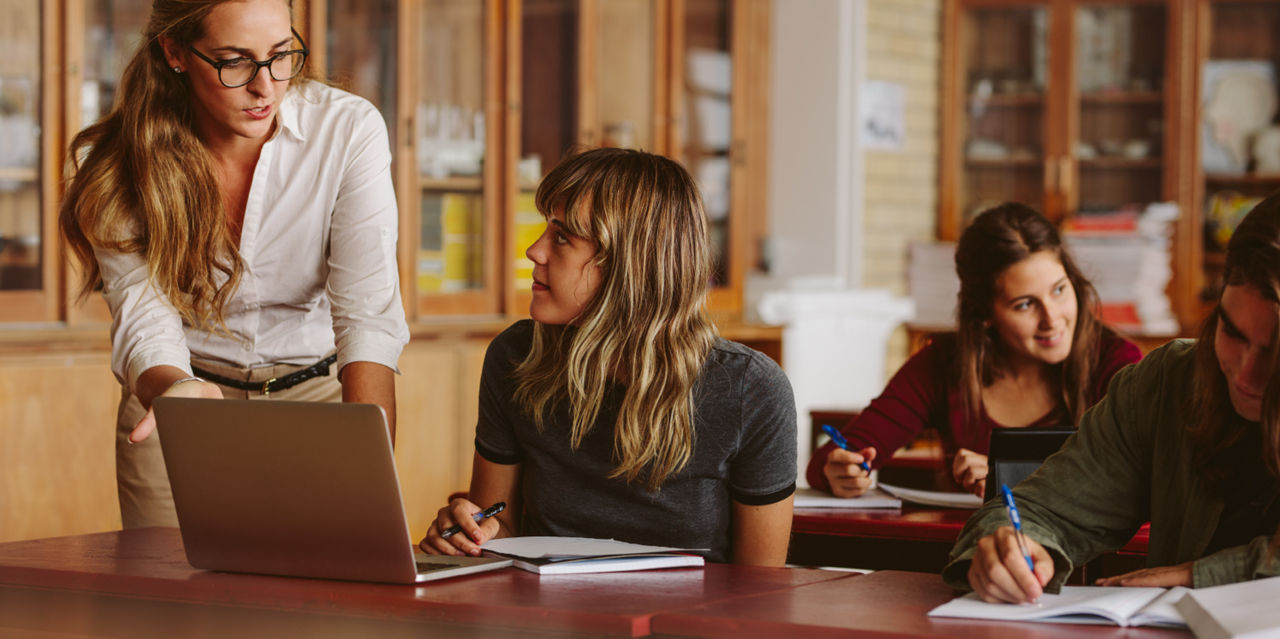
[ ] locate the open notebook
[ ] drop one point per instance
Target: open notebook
(572, 555)
(873, 498)
(1079, 604)
(936, 498)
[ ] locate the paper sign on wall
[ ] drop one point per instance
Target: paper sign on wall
(883, 120)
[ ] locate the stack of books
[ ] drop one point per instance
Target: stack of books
(1126, 254)
(932, 280)
(449, 250)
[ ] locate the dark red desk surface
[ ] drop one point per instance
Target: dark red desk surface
(912, 538)
(149, 565)
(881, 604)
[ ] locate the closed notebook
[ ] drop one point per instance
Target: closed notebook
(573, 555)
(1245, 610)
(1079, 604)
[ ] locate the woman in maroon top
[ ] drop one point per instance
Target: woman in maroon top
(1029, 352)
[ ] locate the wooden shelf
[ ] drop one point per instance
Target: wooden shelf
(1243, 179)
(19, 174)
(1004, 163)
(1121, 163)
(1009, 100)
(1106, 98)
(465, 183)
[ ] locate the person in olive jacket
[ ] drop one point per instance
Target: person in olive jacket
(1188, 439)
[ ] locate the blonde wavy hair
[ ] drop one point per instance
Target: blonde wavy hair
(147, 184)
(646, 328)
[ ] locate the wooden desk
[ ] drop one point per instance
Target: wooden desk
(882, 604)
(912, 539)
(138, 583)
(907, 539)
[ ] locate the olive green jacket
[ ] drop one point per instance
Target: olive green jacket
(1129, 462)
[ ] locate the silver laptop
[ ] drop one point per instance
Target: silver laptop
(293, 488)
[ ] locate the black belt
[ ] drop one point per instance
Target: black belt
(318, 369)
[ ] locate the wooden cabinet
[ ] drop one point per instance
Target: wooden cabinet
(484, 97)
(1071, 107)
(481, 98)
(29, 160)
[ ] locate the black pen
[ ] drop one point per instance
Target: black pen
(478, 517)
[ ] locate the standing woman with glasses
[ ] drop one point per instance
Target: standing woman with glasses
(241, 223)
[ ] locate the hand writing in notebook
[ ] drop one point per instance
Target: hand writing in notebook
(999, 570)
(461, 527)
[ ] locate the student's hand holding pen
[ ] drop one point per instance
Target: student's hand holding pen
(461, 528)
(848, 471)
(999, 571)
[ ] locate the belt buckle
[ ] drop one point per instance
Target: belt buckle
(266, 387)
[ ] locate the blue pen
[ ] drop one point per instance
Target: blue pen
(478, 517)
(843, 443)
(1012, 508)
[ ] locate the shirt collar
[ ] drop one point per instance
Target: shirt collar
(288, 117)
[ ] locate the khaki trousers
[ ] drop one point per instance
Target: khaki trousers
(141, 479)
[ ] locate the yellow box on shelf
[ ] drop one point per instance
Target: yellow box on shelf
(529, 226)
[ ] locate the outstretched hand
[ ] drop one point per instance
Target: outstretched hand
(192, 388)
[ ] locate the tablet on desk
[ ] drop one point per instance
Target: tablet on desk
(1015, 453)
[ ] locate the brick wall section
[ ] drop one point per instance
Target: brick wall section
(904, 45)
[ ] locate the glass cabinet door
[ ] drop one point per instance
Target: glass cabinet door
(1003, 75)
(1239, 131)
(549, 119)
(22, 126)
(109, 34)
(707, 127)
(623, 102)
(112, 34)
(450, 144)
(1119, 81)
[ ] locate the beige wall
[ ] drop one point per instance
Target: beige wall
(901, 194)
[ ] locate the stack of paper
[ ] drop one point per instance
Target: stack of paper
(931, 278)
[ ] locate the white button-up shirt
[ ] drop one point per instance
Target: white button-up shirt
(319, 251)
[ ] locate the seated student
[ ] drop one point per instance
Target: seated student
(1188, 439)
(617, 412)
(1029, 352)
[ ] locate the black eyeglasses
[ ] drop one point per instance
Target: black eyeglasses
(238, 72)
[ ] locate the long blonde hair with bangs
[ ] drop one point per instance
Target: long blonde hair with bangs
(646, 328)
(147, 183)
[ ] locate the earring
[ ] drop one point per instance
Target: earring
(177, 69)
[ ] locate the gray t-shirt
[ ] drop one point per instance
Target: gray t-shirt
(744, 450)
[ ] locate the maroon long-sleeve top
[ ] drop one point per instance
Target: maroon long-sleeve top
(923, 394)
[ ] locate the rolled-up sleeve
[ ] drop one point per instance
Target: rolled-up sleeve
(363, 285)
(146, 330)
